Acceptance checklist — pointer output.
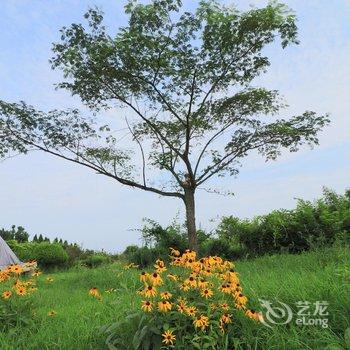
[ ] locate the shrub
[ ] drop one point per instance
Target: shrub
(142, 256)
(309, 225)
(50, 254)
(223, 248)
(96, 260)
(192, 309)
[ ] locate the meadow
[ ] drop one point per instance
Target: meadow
(322, 275)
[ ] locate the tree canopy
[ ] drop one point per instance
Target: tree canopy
(187, 80)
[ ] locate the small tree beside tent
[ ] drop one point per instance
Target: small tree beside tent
(185, 79)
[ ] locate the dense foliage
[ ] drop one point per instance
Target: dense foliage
(15, 233)
(51, 254)
(310, 225)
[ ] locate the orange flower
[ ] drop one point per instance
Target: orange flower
(225, 318)
(7, 294)
(207, 293)
(191, 310)
(201, 322)
(160, 266)
(169, 338)
(191, 281)
(95, 292)
(143, 276)
(257, 316)
(149, 291)
(155, 279)
(21, 291)
(225, 306)
(181, 307)
(172, 277)
(147, 306)
(165, 295)
(17, 269)
(174, 252)
(164, 306)
(185, 287)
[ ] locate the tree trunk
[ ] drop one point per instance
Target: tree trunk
(191, 219)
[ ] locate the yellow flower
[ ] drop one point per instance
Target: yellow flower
(185, 287)
(201, 322)
(4, 276)
(241, 300)
(202, 283)
(49, 279)
(150, 291)
(164, 306)
(257, 316)
(225, 306)
(21, 291)
(132, 265)
(181, 307)
(174, 252)
(207, 293)
(165, 295)
(191, 310)
(17, 269)
(146, 306)
(32, 290)
(160, 266)
(207, 272)
(155, 279)
(95, 292)
(213, 306)
(225, 288)
(143, 276)
(36, 273)
(172, 277)
(7, 294)
(225, 318)
(191, 281)
(52, 313)
(169, 337)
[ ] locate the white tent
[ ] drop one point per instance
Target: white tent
(7, 256)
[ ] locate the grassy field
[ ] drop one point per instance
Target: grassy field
(320, 275)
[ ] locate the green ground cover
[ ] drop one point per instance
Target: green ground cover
(322, 275)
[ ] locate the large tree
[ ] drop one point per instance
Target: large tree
(186, 80)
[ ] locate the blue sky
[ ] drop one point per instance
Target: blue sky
(49, 196)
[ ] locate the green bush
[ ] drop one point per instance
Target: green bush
(96, 260)
(309, 225)
(223, 248)
(50, 254)
(46, 254)
(24, 251)
(144, 256)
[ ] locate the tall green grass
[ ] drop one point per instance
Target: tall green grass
(319, 275)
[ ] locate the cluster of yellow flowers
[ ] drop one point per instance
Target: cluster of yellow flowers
(211, 278)
(19, 287)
